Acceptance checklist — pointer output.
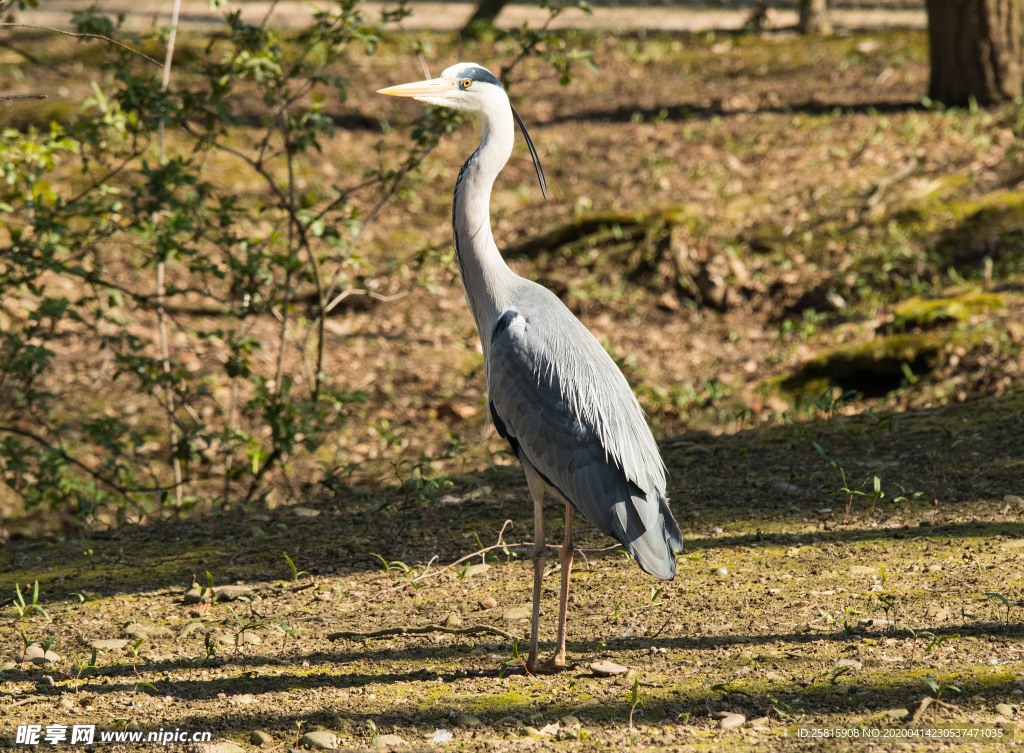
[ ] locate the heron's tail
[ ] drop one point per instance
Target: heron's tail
(651, 533)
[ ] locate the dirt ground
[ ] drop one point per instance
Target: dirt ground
(756, 225)
(776, 613)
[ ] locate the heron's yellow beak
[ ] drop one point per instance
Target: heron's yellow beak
(435, 87)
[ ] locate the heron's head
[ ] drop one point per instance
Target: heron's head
(464, 86)
(468, 86)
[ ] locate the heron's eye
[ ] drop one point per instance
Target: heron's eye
(466, 83)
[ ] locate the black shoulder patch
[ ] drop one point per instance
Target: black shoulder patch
(483, 76)
(503, 430)
(503, 323)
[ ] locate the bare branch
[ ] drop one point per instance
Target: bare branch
(79, 464)
(474, 630)
(88, 36)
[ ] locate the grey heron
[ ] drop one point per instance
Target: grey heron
(553, 392)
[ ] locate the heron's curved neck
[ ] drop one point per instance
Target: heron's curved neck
(487, 280)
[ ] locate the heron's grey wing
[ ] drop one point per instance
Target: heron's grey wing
(547, 381)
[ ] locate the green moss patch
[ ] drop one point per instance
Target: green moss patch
(611, 256)
(874, 369)
(931, 312)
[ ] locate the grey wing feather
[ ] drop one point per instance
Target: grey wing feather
(565, 406)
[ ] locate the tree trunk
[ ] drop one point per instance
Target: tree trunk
(814, 18)
(977, 50)
(484, 15)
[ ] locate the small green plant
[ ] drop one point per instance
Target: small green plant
(889, 606)
(298, 731)
(635, 700)
(655, 593)
(829, 621)
(26, 642)
(292, 633)
(829, 402)
(211, 646)
(849, 612)
(916, 634)
(938, 688)
(408, 577)
(876, 494)
(134, 648)
(516, 659)
(22, 608)
(296, 573)
(193, 663)
(479, 546)
(82, 667)
(242, 627)
(207, 591)
(618, 618)
(938, 640)
(373, 732)
(1007, 604)
(142, 684)
(851, 493)
(906, 500)
(786, 712)
(837, 671)
(955, 437)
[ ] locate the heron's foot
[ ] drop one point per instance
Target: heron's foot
(552, 666)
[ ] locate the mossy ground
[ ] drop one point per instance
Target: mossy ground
(764, 639)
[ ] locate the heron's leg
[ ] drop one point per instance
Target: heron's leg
(565, 560)
(536, 484)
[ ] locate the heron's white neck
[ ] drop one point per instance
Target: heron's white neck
(487, 280)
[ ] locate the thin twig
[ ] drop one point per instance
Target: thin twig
(359, 291)
(452, 565)
(228, 455)
(87, 36)
(161, 319)
(321, 296)
(474, 630)
(9, 97)
(293, 225)
(481, 552)
(25, 701)
(270, 12)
